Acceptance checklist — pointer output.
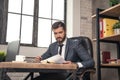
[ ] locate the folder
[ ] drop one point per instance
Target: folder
(101, 27)
(105, 56)
(108, 26)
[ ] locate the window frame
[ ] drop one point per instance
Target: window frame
(35, 23)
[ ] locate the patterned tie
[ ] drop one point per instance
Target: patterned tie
(60, 50)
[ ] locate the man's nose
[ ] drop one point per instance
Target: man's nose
(58, 35)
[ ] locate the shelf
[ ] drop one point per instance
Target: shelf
(112, 38)
(112, 11)
(110, 65)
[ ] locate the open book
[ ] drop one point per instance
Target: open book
(54, 59)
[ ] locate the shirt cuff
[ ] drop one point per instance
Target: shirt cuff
(79, 65)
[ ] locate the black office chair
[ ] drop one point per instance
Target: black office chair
(87, 44)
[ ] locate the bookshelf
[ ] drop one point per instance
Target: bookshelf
(112, 13)
(112, 38)
(110, 65)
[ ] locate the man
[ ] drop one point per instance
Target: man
(71, 52)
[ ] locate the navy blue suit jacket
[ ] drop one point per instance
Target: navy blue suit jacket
(74, 52)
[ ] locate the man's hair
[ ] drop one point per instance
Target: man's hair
(59, 24)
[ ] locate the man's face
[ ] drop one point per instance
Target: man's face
(59, 34)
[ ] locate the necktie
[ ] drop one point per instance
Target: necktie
(60, 50)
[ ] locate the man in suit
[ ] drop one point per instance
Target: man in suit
(72, 52)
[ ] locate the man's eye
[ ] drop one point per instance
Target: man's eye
(60, 32)
(55, 33)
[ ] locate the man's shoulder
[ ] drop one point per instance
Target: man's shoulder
(74, 42)
(53, 44)
(71, 40)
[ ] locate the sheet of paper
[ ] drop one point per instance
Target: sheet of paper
(54, 59)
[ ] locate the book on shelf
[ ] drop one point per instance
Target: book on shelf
(101, 27)
(105, 56)
(108, 26)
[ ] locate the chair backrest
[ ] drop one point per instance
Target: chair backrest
(86, 42)
(12, 50)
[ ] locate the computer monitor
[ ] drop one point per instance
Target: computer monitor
(12, 50)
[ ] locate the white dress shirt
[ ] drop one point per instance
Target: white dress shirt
(63, 53)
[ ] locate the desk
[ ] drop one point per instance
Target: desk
(35, 67)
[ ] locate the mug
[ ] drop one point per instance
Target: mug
(20, 58)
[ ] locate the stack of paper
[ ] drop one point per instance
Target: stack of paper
(54, 59)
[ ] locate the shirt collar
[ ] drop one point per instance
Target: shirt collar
(64, 42)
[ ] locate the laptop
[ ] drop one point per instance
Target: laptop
(12, 50)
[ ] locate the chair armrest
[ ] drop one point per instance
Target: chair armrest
(91, 70)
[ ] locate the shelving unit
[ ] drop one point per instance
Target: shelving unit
(112, 13)
(112, 38)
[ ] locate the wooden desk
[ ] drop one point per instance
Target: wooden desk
(35, 67)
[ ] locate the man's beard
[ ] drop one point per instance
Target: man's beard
(60, 40)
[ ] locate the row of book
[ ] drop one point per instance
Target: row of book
(106, 58)
(106, 27)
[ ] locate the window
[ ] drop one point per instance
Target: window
(20, 20)
(31, 20)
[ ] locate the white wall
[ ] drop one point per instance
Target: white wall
(73, 18)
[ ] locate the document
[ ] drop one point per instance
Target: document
(54, 59)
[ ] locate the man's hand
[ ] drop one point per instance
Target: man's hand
(38, 59)
(67, 62)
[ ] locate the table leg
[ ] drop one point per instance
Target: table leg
(2, 74)
(31, 74)
(72, 76)
(75, 75)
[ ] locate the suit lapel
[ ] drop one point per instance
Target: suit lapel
(67, 48)
(56, 49)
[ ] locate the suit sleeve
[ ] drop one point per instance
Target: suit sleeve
(47, 54)
(86, 59)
